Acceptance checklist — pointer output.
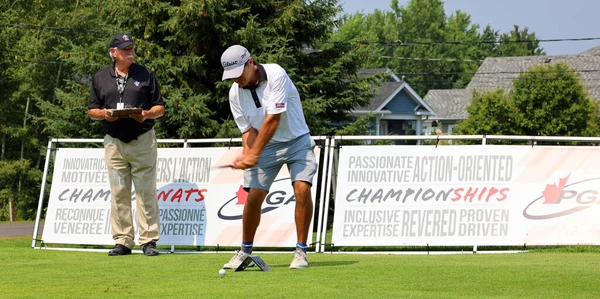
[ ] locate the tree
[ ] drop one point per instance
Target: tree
(20, 185)
(553, 102)
(183, 41)
(430, 49)
(49, 52)
(490, 113)
(365, 31)
(459, 28)
(27, 74)
(519, 43)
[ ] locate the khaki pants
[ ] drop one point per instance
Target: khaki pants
(126, 162)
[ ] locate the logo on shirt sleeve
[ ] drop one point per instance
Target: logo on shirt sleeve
(279, 105)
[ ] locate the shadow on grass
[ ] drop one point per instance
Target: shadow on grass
(332, 263)
(317, 264)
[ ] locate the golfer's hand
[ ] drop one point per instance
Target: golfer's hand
(245, 161)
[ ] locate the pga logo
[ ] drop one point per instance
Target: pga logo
(280, 195)
(564, 198)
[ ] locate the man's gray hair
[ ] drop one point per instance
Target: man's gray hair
(110, 54)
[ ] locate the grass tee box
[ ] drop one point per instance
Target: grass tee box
(566, 272)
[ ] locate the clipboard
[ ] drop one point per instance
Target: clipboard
(125, 112)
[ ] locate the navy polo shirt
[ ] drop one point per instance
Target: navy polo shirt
(141, 91)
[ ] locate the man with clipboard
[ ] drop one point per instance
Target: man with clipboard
(126, 98)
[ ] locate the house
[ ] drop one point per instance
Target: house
(450, 105)
(398, 109)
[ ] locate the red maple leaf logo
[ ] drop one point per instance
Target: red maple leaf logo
(242, 196)
(552, 192)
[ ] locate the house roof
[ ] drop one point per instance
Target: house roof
(367, 72)
(592, 51)
(449, 103)
(386, 90)
(386, 93)
(499, 72)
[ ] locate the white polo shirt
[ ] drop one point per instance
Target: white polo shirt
(277, 95)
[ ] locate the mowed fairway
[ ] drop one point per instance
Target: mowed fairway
(558, 273)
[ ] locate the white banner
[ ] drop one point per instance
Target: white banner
(199, 205)
(467, 195)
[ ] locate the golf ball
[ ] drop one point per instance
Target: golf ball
(222, 272)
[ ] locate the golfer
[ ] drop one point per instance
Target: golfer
(267, 109)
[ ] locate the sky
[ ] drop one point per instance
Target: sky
(548, 19)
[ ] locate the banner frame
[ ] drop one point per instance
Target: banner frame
(53, 145)
(337, 142)
(325, 182)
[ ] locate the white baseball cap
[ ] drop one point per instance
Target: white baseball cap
(233, 61)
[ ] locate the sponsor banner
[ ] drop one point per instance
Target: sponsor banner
(200, 204)
(467, 195)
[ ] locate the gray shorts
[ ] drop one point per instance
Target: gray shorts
(298, 154)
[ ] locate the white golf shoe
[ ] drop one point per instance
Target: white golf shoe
(236, 260)
(300, 261)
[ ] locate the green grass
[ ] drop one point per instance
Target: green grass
(548, 273)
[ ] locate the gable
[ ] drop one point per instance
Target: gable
(396, 98)
(393, 97)
(401, 103)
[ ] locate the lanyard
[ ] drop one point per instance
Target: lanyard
(121, 82)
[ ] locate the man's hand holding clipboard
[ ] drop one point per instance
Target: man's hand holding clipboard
(125, 112)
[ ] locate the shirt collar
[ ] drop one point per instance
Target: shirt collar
(262, 77)
(132, 70)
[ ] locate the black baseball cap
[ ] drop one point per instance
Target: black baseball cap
(121, 41)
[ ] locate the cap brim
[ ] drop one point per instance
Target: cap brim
(124, 45)
(233, 73)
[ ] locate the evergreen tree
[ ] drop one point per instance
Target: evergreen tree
(49, 53)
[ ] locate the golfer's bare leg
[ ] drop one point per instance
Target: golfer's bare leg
(251, 216)
(304, 210)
